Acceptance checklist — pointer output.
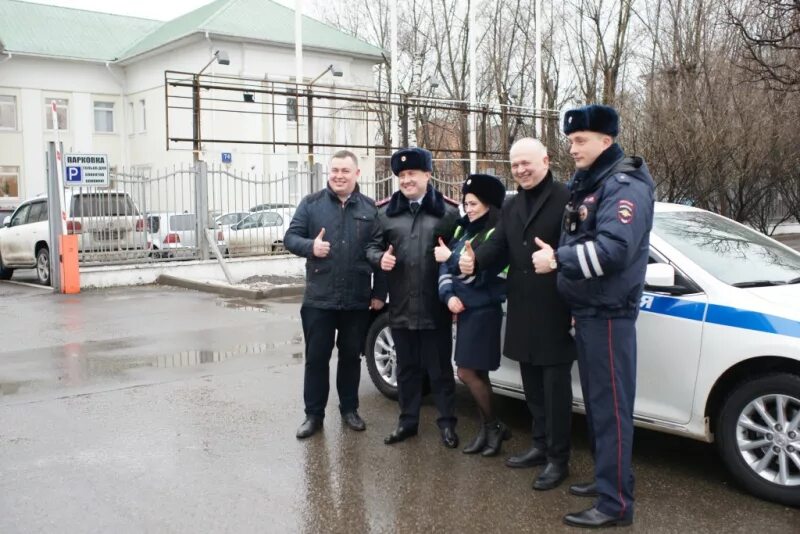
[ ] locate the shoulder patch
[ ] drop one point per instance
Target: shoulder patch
(450, 201)
(383, 201)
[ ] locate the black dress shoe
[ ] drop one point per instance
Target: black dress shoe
(530, 458)
(449, 437)
(496, 434)
(478, 443)
(400, 434)
(353, 420)
(309, 427)
(551, 476)
(594, 518)
(584, 489)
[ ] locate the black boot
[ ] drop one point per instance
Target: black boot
(496, 433)
(478, 443)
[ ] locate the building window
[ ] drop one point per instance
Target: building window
(8, 112)
(142, 116)
(104, 117)
(291, 109)
(62, 107)
(131, 118)
(9, 180)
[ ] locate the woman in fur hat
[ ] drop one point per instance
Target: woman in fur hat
(477, 303)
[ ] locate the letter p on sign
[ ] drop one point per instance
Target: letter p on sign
(74, 175)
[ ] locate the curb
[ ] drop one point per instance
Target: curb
(228, 290)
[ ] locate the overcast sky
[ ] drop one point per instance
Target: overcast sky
(150, 9)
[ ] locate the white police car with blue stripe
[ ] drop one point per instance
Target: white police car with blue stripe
(718, 347)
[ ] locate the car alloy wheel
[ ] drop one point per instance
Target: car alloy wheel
(385, 356)
(43, 266)
(768, 438)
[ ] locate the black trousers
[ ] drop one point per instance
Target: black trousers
(320, 331)
(418, 352)
(548, 392)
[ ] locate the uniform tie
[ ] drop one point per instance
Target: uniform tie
(414, 206)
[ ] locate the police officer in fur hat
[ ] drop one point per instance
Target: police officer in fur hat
(477, 303)
(601, 261)
(408, 227)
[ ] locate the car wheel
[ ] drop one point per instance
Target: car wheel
(5, 272)
(381, 357)
(759, 436)
(43, 266)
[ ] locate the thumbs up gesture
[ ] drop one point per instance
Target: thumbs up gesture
(466, 263)
(388, 260)
(321, 248)
(441, 252)
(542, 257)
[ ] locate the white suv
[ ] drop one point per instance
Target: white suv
(24, 241)
(107, 223)
(718, 347)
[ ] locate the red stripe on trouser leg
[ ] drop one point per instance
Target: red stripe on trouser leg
(616, 416)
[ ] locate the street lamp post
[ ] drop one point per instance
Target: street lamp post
(222, 58)
(336, 72)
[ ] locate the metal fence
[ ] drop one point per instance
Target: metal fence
(172, 214)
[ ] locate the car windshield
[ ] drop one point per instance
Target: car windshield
(730, 252)
(102, 205)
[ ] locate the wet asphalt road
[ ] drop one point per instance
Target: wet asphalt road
(161, 410)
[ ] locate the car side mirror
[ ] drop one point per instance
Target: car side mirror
(7, 221)
(660, 277)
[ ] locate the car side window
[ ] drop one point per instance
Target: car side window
(271, 219)
(38, 212)
(21, 215)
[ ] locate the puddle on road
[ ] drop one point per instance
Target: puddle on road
(78, 365)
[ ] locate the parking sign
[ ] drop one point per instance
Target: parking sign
(86, 170)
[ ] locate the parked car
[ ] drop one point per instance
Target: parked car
(172, 235)
(24, 241)
(107, 223)
(718, 347)
(258, 233)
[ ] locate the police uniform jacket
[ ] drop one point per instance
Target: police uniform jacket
(604, 248)
(538, 319)
(481, 289)
(343, 279)
(413, 294)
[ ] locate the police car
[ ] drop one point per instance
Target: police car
(718, 347)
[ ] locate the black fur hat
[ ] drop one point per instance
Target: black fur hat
(486, 187)
(412, 159)
(594, 118)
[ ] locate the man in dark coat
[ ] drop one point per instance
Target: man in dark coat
(331, 229)
(538, 319)
(408, 228)
(601, 261)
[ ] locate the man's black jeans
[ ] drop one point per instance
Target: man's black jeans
(320, 329)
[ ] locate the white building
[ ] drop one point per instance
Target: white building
(106, 74)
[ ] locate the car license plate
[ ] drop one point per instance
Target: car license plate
(108, 235)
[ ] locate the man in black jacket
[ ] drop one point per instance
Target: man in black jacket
(331, 229)
(538, 318)
(409, 226)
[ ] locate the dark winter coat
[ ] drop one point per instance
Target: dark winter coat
(413, 283)
(602, 261)
(482, 289)
(538, 320)
(343, 279)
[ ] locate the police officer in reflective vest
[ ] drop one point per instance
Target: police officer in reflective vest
(601, 262)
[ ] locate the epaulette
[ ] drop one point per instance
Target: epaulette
(450, 201)
(383, 202)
